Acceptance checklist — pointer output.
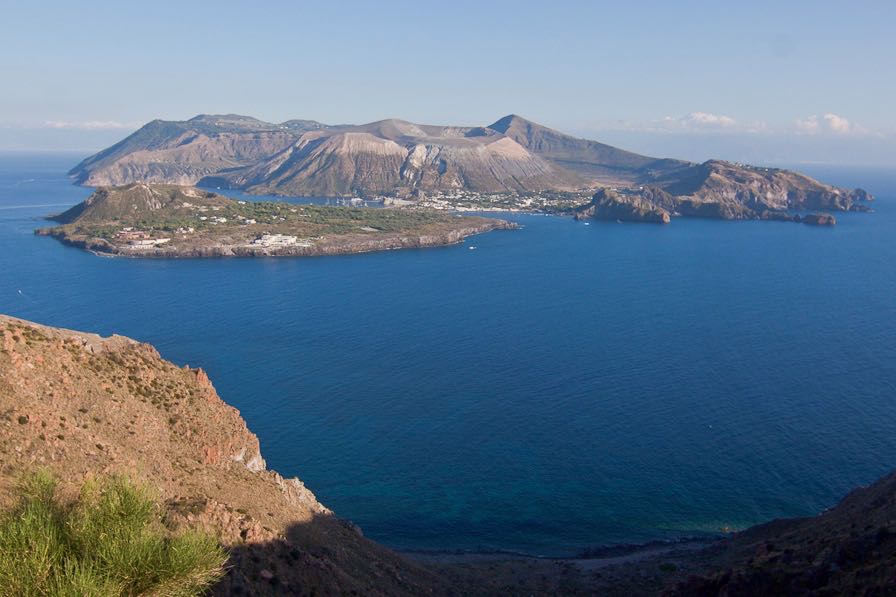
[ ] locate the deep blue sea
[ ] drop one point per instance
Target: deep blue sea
(560, 387)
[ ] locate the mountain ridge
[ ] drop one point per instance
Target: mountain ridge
(156, 153)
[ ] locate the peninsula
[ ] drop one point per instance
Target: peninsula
(155, 220)
(512, 164)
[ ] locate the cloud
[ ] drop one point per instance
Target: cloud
(693, 122)
(707, 123)
(838, 124)
(89, 125)
(699, 120)
(828, 124)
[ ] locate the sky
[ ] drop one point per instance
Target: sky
(759, 81)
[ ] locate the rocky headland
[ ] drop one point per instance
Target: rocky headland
(167, 221)
(610, 205)
(726, 191)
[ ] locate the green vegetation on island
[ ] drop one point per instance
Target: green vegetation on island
(143, 220)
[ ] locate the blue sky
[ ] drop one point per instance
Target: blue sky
(811, 81)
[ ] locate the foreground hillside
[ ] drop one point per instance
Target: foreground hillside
(848, 550)
(512, 163)
(85, 406)
(141, 220)
(82, 406)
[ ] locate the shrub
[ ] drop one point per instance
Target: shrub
(110, 541)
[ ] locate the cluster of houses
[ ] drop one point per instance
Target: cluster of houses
(141, 239)
(148, 242)
(131, 234)
(279, 240)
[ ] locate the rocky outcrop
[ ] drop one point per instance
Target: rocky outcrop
(818, 219)
(610, 205)
(734, 191)
(725, 191)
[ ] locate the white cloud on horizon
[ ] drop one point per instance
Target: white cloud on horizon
(700, 120)
(89, 125)
(828, 124)
(692, 122)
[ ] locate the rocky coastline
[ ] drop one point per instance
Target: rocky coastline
(339, 245)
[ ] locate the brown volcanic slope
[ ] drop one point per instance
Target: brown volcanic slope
(182, 152)
(390, 156)
(590, 159)
(394, 156)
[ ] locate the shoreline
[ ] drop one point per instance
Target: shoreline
(606, 553)
(343, 246)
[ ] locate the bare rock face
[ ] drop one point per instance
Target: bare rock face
(721, 190)
(818, 220)
(184, 152)
(743, 191)
(400, 158)
(610, 205)
(306, 158)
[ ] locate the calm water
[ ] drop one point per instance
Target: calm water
(562, 386)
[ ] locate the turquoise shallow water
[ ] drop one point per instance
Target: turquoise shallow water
(561, 386)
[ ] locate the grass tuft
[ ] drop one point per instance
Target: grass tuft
(110, 541)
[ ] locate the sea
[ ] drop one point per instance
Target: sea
(562, 386)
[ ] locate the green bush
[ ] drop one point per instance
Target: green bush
(110, 541)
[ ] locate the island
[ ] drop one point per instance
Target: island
(513, 164)
(165, 221)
